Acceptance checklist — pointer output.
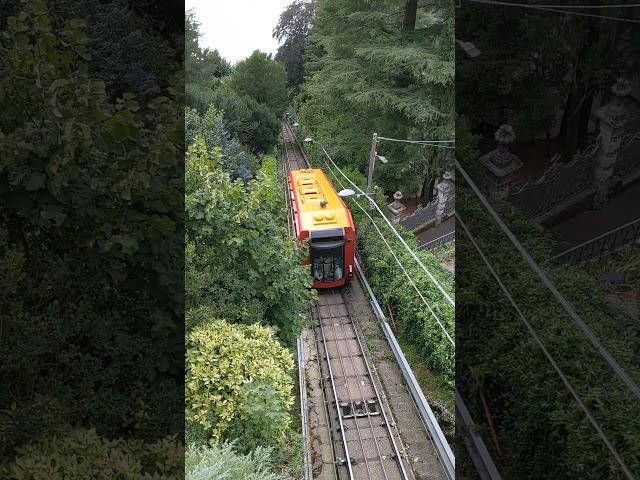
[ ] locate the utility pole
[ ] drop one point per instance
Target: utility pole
(372, 162)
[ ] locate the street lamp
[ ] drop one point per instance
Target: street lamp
(346, 193)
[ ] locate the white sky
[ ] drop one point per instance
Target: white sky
(237, 27)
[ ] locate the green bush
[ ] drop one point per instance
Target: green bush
(222, 359)
(260, 418)
(82, 454)
(238, 260)
(221, 462)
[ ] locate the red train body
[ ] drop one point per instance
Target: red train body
(320, 216)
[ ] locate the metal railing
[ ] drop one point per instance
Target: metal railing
(602, 244)
(473, 441)
(440, 442)
(303, 407)
(438, 242)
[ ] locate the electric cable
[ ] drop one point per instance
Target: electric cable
(442, 327)
(578, 321)
(404, 243)
(555, 10)
(548, 355)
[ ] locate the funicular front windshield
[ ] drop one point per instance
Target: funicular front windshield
(327, 259)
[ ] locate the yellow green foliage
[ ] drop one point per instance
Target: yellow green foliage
(221, 359)
(82, 454)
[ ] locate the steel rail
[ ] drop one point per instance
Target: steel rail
(351, 403)
(308, 474)
(303, 406)
(377, 393)
(295, 158)
(335, 396)
(368, 374)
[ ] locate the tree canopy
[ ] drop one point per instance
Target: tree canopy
(292, 30)
(541, 71)
(251, 95)
(366, 74)
(262, 79)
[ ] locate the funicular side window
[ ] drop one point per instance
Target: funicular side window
(327, 256)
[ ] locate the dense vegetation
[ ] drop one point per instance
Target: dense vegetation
(251, 95)
(91, 242)
(370, 69)
(246, 291)
(535, 416)
(78, 454)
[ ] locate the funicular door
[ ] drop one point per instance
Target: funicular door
(327, 254)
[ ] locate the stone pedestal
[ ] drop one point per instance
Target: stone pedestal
(613, 118)
(444, 191)
(396, 207)
(500, 164)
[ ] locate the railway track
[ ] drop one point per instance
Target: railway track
(294, 158)
(364, 444)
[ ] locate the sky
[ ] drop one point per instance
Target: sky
(237, 27)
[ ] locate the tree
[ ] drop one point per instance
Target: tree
(293, 29)
(202, 66)
(262, 79)
(238, 259)
(366, 75)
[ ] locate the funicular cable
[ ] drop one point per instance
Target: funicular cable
(548, 355)
(546, 281)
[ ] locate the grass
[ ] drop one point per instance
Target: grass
(432, 386)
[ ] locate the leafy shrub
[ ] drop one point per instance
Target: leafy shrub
(222, 359)
(91, 237)
(221, 462)
(238, 260)
(81, 454)
(211, 128)
(260, 418)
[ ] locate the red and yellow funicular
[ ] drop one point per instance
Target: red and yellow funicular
(320, 216)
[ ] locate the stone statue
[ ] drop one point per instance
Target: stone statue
(444, 192)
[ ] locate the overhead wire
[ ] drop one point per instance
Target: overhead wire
(402, 240)
(555, 10)
(547, 354)
(584, 7)
(430, 143)
(577, 320)
(441, 325)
